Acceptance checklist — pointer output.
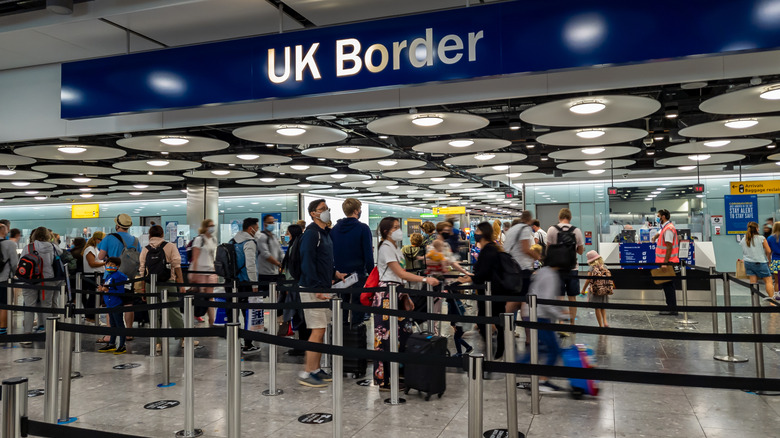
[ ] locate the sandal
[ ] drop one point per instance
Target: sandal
(103, 340)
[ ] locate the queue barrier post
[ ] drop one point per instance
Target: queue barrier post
(475, 395)
(394, 399)
(489, 327)
(511, 379)
(10, 300)
(338, 369)
(430, 304)
(14, 407)
(153, 321)
(66, 362)
(51, 368)
(729, 357)
(534, 346)
(685, 322)
(79, 301)
(189, 375)
(235, 310)
(165, 344)
(233, 380)
(272, 350)
(327, 359)
(714, 298)
(759, 346)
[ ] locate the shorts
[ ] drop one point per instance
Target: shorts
(570, 286)
(315, 318)
(760, 270)
(774, 267)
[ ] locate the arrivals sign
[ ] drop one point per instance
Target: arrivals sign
(459, 44)
(740, 209)
(449, 210)
(84, 211)
(755, 187)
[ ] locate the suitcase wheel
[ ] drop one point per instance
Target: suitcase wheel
(441, 394)
(406, 391)
(428, 397)
(577, 393)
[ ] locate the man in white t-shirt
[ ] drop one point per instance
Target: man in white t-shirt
(518, 243)
(540, 236)
(570, 284)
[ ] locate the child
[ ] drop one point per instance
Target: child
(455, 307)
(114, 285)
(436, 263)
(600, 290)
(537, 249)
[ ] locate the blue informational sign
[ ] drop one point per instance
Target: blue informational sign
(637, 253)
(740, 209)
(480, 41)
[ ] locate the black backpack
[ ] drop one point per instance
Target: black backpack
(225, 263)
(59, 264)
(30, 265)
(157, 263)
(563, 253)
(508, 277)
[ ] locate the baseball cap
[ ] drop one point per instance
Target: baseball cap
(124, 220)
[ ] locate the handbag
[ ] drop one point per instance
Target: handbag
(663, 271)
(741, 269)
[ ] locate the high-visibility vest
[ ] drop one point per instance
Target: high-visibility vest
(660, 245)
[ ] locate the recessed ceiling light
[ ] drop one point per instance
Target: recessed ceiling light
(671, 114)
(427, 120)
(174, 141)
(658, 137)
(158, 163)
(7, 172)
(304, 185)
(686, 168)
(387, 163)
(595, 162)
(40, 198)
(71, 149)
(587, 107)
(656, 192)
(661, 189)
(85, 189)
(247, 157)
(220, 172)
(514, 175)
(86, 195)
(338, 176)
(596, 171)
(299, 167)
(530, 145)
(20, 183)
(455, 184)
(650, 152)
(772, 93)
(648, 199)
(135, 193)
(383, 137)
(348, 149)
(369, 182)
(700, 157)
(461, 143)
(716, 143)
(500, 167)
(267, 180)
(771, 146)
(651, 196)
(484, 156)
(415, 172)
(290, 131)
(393, 187)
(82, 179)
(741, 123)
(32, 192)
(591, 133)
(440, 179)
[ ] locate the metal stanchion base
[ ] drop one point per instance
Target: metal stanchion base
(185, 434)
(270, 393)
(68, 421)
(390, 402)
(500, 433)
(734, 359)
(162, 385)
(687, 321)
(684, 327)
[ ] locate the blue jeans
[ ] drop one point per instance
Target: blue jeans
(116, 319)
(548, 339)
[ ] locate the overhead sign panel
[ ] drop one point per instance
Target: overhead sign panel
(449, 210)
(85, 211)
(755, 187)
(740, 210)
(465, 43)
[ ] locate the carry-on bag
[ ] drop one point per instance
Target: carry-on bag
(428, 379)
(580, 356)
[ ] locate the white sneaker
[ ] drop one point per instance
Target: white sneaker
(777, 296)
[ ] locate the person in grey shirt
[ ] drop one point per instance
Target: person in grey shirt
(518, 243)
(269, 251)
(9, 260)
(40, 242)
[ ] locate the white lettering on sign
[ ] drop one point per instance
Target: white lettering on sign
(421, 52)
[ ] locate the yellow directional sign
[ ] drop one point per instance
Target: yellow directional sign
(449, 210)
(755, 187)
(85, 211)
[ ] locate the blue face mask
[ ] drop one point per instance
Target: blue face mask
(270, 228)
(286, 239)
(657, 220)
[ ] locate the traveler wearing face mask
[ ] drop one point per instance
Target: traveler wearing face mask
(390, 264)
(353, 250)
(204, 251)
(269, 258)
(245, 242)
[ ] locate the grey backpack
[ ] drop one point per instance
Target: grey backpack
(130, 257)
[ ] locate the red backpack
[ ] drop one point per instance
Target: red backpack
(30, 265)
(366, 298)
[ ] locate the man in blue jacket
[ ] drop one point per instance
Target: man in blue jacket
(317, 271)
(353, 250)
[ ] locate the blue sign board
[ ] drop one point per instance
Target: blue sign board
(637, 253)
(465, 43)
(740, 209)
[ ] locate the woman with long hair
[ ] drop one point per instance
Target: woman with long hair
(756, 255)
(93, 268)
(774, 267)
(204, 252)
(41, 243)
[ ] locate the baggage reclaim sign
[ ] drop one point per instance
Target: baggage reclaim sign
(755, 187)
(449, 210)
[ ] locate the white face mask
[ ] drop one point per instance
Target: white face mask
(397, 235)
(212, 229)
(325, 216)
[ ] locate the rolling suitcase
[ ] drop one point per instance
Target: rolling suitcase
(580, 356)
(355, 336)
(428, 379)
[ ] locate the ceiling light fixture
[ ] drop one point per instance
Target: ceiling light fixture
(220, 172)
(290, 131)
(514, 175)
(40, 198)
(86, 195)
(595, 162)
(716, 143)
(20, 183)
(267, 180)
(383, 137)
(387, 163)
(461, 143)
(455, 184)
(85, 189)
(427, 120)
(686, 168)
(591, 133)
(771, 93)
(247, 157)
(515, 126)
(672, 114)
(657, 192)
(500, 168)
(348, 149)
(650, 152)
(135, 193)
(415, 172)
(369, 182)
(596, 171)
(299, 167)
(771, 146)
(484, 156)
(741, 123)
(304, 185)
(440, 179)
(174, 141)
(158, 163)
(587, 107)
(32, 192)
(7, 172)
(700, 157)
(71, 149)
(82, 179)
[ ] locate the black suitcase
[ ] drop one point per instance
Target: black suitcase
(355, 337)
(141, 316)
(428, 379)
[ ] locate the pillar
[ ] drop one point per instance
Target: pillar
(202, 203)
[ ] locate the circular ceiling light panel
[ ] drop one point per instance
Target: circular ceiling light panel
(387, 165)
(739, 127)
(339, 177)
(247, 158)
(220, 174)
(684, 160)
(157, 165)
(142, 188)
(300, 169)
(595, 164)
(81, 181)
(515, 177)
(416, 173)
(29, 186)
(395, 189)
(452, 186)
(590, 111)
(267, 181)
(370, 183)
(74, 169)
(69, 152)
(501, 169)
(290, 133)
(437, 180)
(146, 178)
(597, 174)
(348, 152)
(15, 160)
(753, 100)
(22, 175)
(497, 158)
(333, 191)
(173, 143)
(462, 145)
(427, 124)
(718, 146)
(610, 136)
(594, 153)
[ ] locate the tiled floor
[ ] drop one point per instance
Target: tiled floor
(113, 400)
